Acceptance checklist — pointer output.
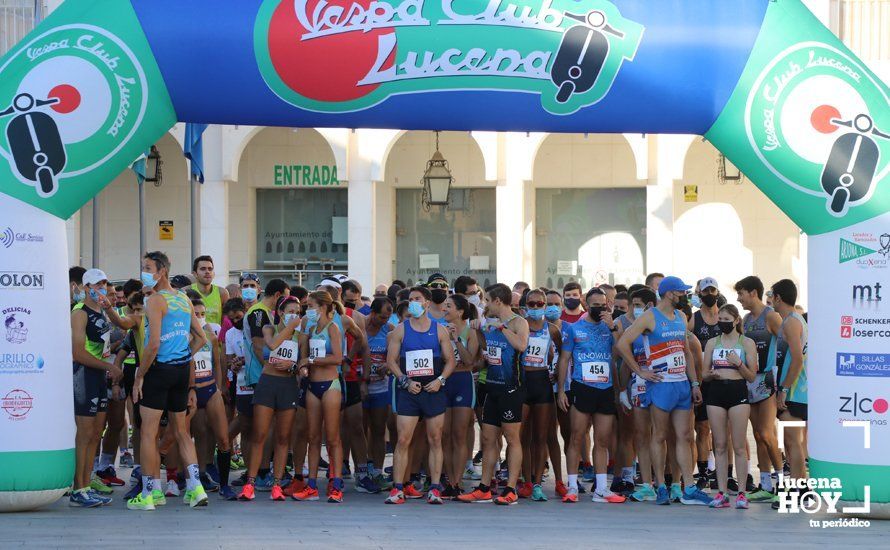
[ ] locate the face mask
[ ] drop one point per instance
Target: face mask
(80, 296)
(95, 295)
(415, 309)
(148, 280)
(239, 324)
(439, 295)
(709, 300)
(638, 312)
(572, 304)
(617, 312)
(475, 300)
(288, 317)
(249, 294)
(536, 314)
(312, 316)
(726, 326)
(349, 305)
(552, 313)
(682, 302)
(595, 313)
(696, 301)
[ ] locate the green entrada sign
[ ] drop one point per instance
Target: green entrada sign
(298, 175)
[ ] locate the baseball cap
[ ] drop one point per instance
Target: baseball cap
(180, 281)
(708, 282)
(340, 278)
(94, 276)
(436, 277)
(330, 282)
(672, 284)
(248, 277)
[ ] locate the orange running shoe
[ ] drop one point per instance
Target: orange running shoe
(434, 497)
(509, 498)
(308, 493)
(395, 497)
(478, 495)
(525, 490)
(336, 496)
(277, 493)
(561, 489)
(294, 487)
(247, 492)
(570, 497)
(411, 492)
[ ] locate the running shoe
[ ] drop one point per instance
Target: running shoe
(213, 473)
(136, 476)
(134, 490)
(449, 492)
(237, 462)
(346, 473)
(336, 496)
(525, 489)
(126, 460)
(677, 493)
(719, 501)
(581, 488)
(323, 464)
(140, 502)
(294, 487)
(643, 494)
(411, 492)
(749, 484)
(434, 496)
(732, 485)
(83, 499)
(97, 485)
(502, 475)
(695, 496)
(507, 498)
(109, 477)
(538, 494)
(571, 496)
(172, 488)
(367, 485)
(741, 502)
(395, 497)
(760, 495)
(308, 493)
(196, 497)
(159, 497)
(207, 482)
(387, 470)
(477, 495)
(103, 499)
(264, 483)
(588, 474)
(662, 496)
(384, 482)
(473, 474)
(277, 494)
(227, 493)
(247, 492)
(607, 496)
(477, 459)
(622, 487)
(561, 489)
(240, 481)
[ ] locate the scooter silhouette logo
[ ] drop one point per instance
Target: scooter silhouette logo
(83, 91)
(349, 55)
(809, 113)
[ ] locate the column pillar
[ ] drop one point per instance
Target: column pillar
(214, 233)
(362, 240)
(669, 154)
(510, 199)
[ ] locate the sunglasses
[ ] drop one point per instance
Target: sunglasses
(249, 277)
(536, 304)
(438, 286)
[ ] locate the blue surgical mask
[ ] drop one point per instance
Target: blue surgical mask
(288, 317)
(552, 313)
(80, 296)
(249, 294)
(95, 295)
(312, 316)
(148, 280)
(638, 312)
(536, 314)
(415, 309)
(696, 301)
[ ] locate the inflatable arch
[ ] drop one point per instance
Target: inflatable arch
(98, 82)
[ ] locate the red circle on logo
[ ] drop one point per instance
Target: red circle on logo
(324, 68)
(822, 118)
(68, 96)
(879, 406)
(17, 403)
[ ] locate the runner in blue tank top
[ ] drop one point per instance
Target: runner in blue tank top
(668, 378)
(421, 357)
(166, 378)
(377, 405)
(506, 336)
(589, 343)
(763, 325)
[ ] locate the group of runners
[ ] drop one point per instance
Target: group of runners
(646, 392)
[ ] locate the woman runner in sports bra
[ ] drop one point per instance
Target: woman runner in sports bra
(321, 349)
(730, 362)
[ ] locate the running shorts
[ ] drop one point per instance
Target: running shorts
(90, 391)
(590, 400)
(503, 406)
(204, 394)
(762, 388)
(538, 389)
(797, 410)
(460, 391)
(279, 393)
(701, 411)
(353, 393)
(423, 404)
(668, 396)
(727, 394)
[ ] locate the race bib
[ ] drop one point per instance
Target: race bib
(285, 354)
(595, 372)
(419, 363)
(377, 364)
(106, 346)
(720, 359)
(203, 364)
(317, 348)
(676, 363)
(536, 352)
(493, 355)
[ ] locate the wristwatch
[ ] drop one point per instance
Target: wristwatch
(442, 380)
(783, 390)
(695, 383)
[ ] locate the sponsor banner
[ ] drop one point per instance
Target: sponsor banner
(35, 334)
(809, 125)
(81, 97)
(849, 354)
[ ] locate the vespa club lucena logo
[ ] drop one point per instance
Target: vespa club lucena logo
(349, 55)
(814, 110)
(83, 91)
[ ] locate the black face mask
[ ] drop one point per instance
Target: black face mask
(709, 299)
(349, 305)
(618, 311)
(439, 295)
(239, 324)
(595, 313)
(682, 302)
(726, 326)
(572, 303)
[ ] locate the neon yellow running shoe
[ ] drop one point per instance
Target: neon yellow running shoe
(159, 498)
(97, 485)
(140, 502)
(195, 497)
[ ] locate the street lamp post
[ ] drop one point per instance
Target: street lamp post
(437, 180)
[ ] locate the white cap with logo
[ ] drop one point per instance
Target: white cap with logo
(94, 276)
(708, 282)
